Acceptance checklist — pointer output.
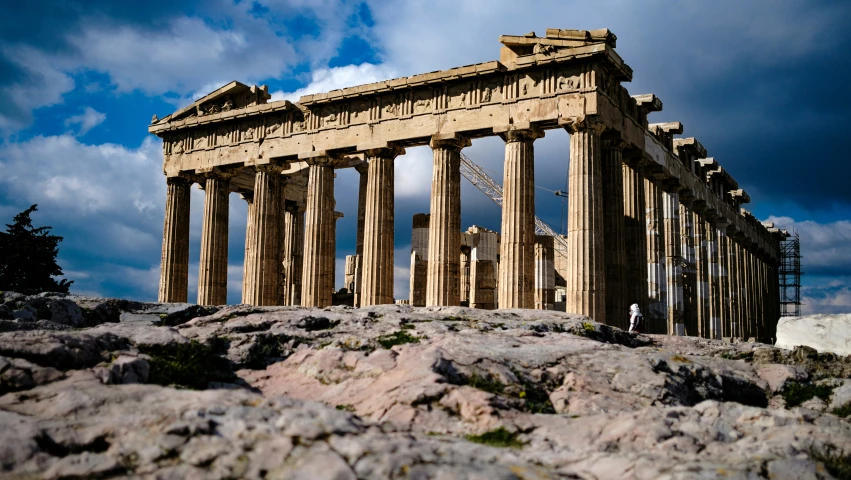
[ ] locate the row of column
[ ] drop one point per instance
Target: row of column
(632, 238)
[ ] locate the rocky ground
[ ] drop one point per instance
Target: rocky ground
(110, 388)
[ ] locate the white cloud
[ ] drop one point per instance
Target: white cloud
(826, 247)
(327, 79)
(44, 85)
(82, 123)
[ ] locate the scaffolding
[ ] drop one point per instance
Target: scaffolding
(790, 276)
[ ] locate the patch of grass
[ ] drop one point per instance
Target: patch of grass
(589, 327)
(396, 338)
(190, 365)
(497, 438)
(797, 393)
(269, 349)
(346, 408)
(408, 326)
(837, 463)
(486, 383)
(842, 411)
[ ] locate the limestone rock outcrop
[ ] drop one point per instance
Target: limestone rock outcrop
(180, 391)
(825, 333)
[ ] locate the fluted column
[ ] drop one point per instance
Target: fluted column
(419, 259)
(714, 279)
(725, 310)
(264, 255)
(544, 272)
(213, 269)
(174, 266)
(249, 232)
(444, 242)
(317, 272)
(363, 174)
(760, 296)
(586, 278)
(673, 261)
(293, 251)
(464, 276)
(614, 255)
(517, 246)
(377, 276)
(733, 276)
(657, 300)
(701, 262)
(635, 236)
(747, 317)
(689, 268)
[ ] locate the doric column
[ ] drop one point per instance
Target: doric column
(635, 234)
(724, 310)
(733, 276)
(673, 260)
(701, 261)
(746, 299)
(714, 327)
(483, 268)
(357, 261)
(174, 265)
(317, 273)
(544, 272)
(586, 279)
(264, 254)
(464, 275)
(419, 259)
(377, 273)
(614, 254)
(443, 281)
(689, 267)
(760, 296)
(517, 247)
(249, 227)
(213, 269)
(293, 250)
(657, 300)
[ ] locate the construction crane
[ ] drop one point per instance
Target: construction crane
(481, 180)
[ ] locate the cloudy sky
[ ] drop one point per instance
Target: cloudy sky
(763, 84)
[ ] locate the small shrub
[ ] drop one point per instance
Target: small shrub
(497, 438)
(837, 463)
(396, 338)
(797, 393)
(488, 384)
(842, 411)
(346, 408)
(190, 365)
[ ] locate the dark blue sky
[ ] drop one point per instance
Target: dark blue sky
(762, 84)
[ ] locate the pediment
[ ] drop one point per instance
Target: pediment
(233, 96)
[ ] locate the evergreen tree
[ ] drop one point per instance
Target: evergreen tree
(28, 258)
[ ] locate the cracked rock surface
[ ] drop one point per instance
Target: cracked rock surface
(179, 391)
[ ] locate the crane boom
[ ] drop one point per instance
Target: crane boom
(481, 180)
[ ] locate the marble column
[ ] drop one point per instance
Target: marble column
(363, 174)
(724, 311)
(213, 269)
(444, 241)
(746, 299)
(174, 266)
(617, 298)
(483, 269)
(249, 227)
(265, 252)
(760, 296)
(517, 246)
(544, 272)
(419, 259)
(673, 260)
(464, 276)
(733, 275)
(377, 275)
(657, 299)
(714, 327)
(635, 236)
(293, 251)
(586, 279)
(689, 267)
(701, 261)
(318, 270)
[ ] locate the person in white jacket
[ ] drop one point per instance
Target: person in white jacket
(635, 318)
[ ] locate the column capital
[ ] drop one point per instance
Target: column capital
(615, 144)
(322, 158)
(518, 132)
(580, 124)
(179, 180)
(246, 195)
(269, 168)
(362, 168)
(671, 185)
(216, 173)
(390, 151)
(449, 141)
